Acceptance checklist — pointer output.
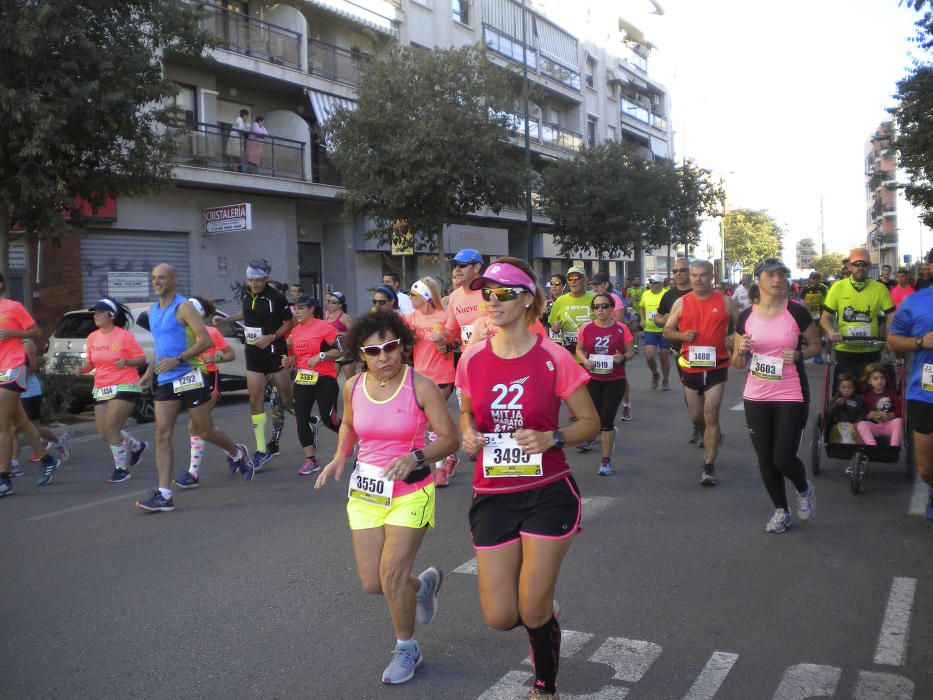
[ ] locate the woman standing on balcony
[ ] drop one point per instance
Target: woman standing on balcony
(254, 144)
(240, 129)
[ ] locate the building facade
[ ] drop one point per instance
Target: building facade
(881, 197)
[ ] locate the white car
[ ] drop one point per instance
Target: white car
(67, 350)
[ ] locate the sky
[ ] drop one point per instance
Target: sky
(780, 98)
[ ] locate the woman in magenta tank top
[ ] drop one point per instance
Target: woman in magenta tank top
(386, 411)
(773, 338)
(335, 313)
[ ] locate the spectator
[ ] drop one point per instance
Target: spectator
(885, 278)
(254, 145)
(241, 128)
(391, 279)
(902, 287)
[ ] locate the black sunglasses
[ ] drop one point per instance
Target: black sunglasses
(376, 350)
(859, 263)
(680, 269)
(502, 293)
(462, 265)
(601, 306)
(380, 302)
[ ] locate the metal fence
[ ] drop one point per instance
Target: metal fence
(334, 62)
(240, 33)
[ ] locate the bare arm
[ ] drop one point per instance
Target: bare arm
(906, 343)
(671, 331)
(346, 438)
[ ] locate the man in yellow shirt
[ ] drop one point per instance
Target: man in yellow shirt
(654, 341)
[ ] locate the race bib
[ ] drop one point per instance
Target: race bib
(105, 393)
(556, 336)
(766, 367)
(252, 334)
(926, 377)
(701, 356)
(466, 334)
(188, 382)
(651, 315)
(570, 337)
(858, 330)
(306, 377)
(8, 375)
(602, 364)
(503, 457)
(367, 485)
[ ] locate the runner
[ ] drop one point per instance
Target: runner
(220, 352)
(335, 313)
(856, 302)
(315, 347)
(681, 273)
(604, 347)
(179, 337)
(558, 286)
(114, 355)
(773, 337)
(464, 305)
(653, 339)
(700, 322)
(813, 296)
(32, 405)
(634, 292)
(432, 354)
(267, 320)
(572, 310)
(902, 289)
(391, 490)
(385, 299)
(526, 505)
(912, 332)
(741, 294)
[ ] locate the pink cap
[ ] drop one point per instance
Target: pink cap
(505, 274)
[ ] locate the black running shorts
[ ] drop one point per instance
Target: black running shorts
(263, 361)
(191, 398)
(920, 415)
(701, 381)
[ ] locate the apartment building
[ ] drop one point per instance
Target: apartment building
(233, 199)
(881, 196)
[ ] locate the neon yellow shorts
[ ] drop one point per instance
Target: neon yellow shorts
(416, 510)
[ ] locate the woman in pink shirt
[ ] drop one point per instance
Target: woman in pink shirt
(773, 337)
(114, 355)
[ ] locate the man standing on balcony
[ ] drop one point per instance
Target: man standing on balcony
(239, 131)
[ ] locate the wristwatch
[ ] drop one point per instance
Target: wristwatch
(179, 358)
(419, 457)
(322, 356)
(559, 440)
(919, 342)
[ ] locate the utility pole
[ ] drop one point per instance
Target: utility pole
(528, 234)
(822, 232)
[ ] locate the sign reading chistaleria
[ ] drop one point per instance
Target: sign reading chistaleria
(231, 217)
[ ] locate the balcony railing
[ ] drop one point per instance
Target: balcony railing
(635, 59)
(659, 122)
(634, 110)
(510, 48)
(559, 137)
(335, 63)
(219, 147)
(240, 33)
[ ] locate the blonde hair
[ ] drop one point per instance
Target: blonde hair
(533, 312)
(435, 290)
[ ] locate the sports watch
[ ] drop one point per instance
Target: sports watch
(559, 440)
(419, 457)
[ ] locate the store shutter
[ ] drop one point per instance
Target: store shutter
(124, 261)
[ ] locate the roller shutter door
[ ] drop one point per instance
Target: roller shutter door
(103, 253)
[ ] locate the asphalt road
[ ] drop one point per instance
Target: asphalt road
(672, 591)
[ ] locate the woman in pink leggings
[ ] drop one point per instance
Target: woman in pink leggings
(882, 408)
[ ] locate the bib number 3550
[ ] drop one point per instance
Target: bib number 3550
(367, 485)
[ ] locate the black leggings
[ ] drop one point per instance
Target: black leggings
(607, 395)
(776, 429)
(325, 392)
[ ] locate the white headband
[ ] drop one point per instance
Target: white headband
(421, 289)
(254, 273)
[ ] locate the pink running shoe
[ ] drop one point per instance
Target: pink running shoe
(440, 477)
(310, 466)
(450, 464)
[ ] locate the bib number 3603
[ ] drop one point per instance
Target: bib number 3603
(367, 485)
(766, 367)
(502, 457)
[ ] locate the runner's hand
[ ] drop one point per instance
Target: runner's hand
(264, 341)
(533, 442)
(789, 356)
(216, 320)
(746, 344)
(333, 469)
(589, 365)
(689, 336)
(473, 441)
(166, 364)
(836, 337)
(928, 341)
(400, 467)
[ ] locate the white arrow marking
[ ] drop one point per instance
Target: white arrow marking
(629, 658)
(570, 643)
(512, 686)
(607, 692)
(738, 407)
(468, 568)
(808, 681)
(711, 677)
(892, 642)
(882, 686)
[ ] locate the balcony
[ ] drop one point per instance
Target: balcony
(633, 110)
(559, 137)
(335, 63)
(659, 122)
(501, 44)
(246, 35)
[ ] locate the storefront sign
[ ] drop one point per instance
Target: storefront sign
(232, 217)
(128, 285)
(17, 259)
(488, 241)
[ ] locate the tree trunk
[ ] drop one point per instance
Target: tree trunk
(5, 242)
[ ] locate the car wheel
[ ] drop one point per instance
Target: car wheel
(144, 412)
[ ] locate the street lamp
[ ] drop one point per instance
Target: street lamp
(531, 248)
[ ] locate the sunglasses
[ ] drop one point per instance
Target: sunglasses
(680, 269)
(386, 347)
(597, 307)
(859, 263)
(381, 302)
(463, 265)
(502, 293)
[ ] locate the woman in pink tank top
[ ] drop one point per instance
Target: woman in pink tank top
(386, 411)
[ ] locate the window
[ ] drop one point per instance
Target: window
(591, 131)
(612, 133)
(181, 108)
(590, 75)
(461, 11)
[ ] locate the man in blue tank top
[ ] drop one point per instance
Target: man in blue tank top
(179, 337)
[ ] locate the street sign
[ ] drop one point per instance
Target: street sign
(908, 259)
(231, 217)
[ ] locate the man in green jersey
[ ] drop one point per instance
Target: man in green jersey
(655, 342)
(812, 297)
(571, 310)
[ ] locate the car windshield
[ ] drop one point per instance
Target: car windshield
(76, 326)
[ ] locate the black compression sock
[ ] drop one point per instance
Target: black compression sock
(545, 654)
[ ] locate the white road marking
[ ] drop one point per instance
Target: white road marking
(712, 676)
(468, 568)
(895, 629)
(738, 407)
(512, 686)
(918, 499)
(808, 681)
(882, 686)
(607, 692)
(85, 506)
(570, 643)
(629, 658)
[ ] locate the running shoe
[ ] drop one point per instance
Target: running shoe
(450, 463)
(605, 468)
(666, 386)
(538, 694)
(119, 475)
(261, 459)
(585, 445)
(406, 659)
(929, 508)
(6, 485)
(16, 469)
(806, 503)
(48, 466)
(187, 480)
(242, 463)
(779, 522)
(627, 413)
(441, 477)
(695, 438)
(136, 455)
(709, 475)
(431, 580)
(64, 446)
(310, 466)
(272, 448)
(156, 503)
(655, 378)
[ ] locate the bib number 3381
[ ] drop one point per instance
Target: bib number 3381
(367, 485)
(502, 457)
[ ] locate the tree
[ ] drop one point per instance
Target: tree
(81, 89)
(914, 128)
(428, 142)
(750, 236)
(828, 265)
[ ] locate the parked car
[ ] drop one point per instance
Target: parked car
(67, 350)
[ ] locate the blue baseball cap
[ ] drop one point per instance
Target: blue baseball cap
(467, 255)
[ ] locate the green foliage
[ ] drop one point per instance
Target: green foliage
(81, 89)
(428, 143)
(750, 236)
(609, 200)
(828, 265)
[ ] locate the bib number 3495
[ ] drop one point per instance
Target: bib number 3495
(503, 457)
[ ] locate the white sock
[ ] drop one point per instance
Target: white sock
(166, 493)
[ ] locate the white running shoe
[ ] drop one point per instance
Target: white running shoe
(806, 503)
(406, 659)
(431, 580)
(779, 522)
